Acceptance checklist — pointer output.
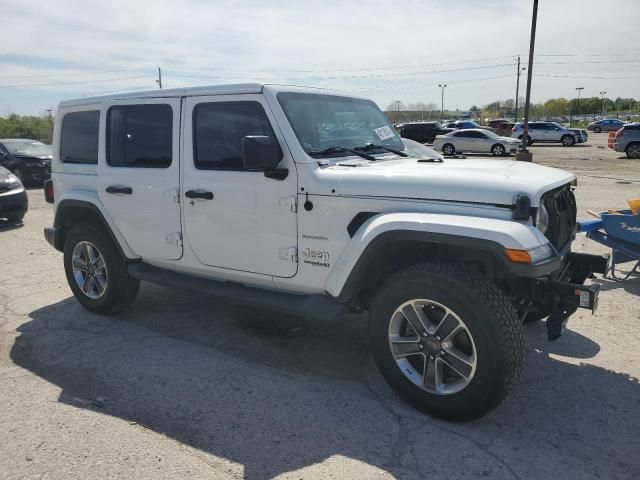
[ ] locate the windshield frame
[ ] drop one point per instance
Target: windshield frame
(369, 124)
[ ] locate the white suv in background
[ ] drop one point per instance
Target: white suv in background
(550, 132)
(306, 201)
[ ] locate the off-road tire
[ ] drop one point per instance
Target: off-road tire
(121, 289)
(448, 149)
(633, 150)
(568, 140)
(498, 150)
(489, 316)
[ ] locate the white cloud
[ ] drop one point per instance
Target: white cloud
(323, 43)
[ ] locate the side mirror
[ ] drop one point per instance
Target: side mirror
(260, 153)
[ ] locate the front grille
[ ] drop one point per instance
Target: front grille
(561, 206)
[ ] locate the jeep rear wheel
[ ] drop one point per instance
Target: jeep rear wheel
(446, 339)
(96, 272)
(568, 140)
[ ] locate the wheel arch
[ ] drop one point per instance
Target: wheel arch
(389, 242)
(70, 212)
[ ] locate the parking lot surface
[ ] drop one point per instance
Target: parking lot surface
(185, 386)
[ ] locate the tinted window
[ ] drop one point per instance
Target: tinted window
(140, 136)
(477, 135)
(462, 134)
(79, 137)
(219, 129)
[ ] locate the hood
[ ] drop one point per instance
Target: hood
(475, 181)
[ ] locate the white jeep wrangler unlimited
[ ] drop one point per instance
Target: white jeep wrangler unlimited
(305, 201)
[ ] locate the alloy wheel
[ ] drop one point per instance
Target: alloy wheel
(432, 347)
(89, 270)
(634, 151)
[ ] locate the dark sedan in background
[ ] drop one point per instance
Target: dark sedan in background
(422, 132)
(29, 160)
(606, 125)
(13, 197)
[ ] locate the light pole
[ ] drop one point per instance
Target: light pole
(442, 87)
(602, 94)
(524, 155)
(518, 71)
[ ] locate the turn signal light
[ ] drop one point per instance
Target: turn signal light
(517, 256)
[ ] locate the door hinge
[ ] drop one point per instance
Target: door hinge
(174, 239)
(288, 253)
(291, 203)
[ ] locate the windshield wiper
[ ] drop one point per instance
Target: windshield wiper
(330, 150)
(372, 146)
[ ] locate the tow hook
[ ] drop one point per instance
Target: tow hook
(567, 298)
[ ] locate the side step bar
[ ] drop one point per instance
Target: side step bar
(315, 307)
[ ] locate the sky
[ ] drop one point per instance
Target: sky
(385, 50)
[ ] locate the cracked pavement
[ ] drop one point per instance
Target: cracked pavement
(186, 386)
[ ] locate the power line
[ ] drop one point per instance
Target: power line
(81, 82)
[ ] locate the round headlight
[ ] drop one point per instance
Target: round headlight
(542, 218)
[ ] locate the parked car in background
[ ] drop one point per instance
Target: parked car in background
(627, 140)
(466, 124)
(549, 132)
(423, 132)
(606, 125)
(29, 160)
(501, 126)
(13, 198)
(475, 140)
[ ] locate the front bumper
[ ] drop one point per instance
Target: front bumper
(13, 203)
(566, 291)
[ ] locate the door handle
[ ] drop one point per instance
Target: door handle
(202, 194)
(119, 189)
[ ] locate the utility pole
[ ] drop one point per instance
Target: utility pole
(442, 86)
(579, 89)
(159, 80)
(518, 71)
(524, 155)
(602, 94)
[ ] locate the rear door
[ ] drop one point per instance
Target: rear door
(139, 174)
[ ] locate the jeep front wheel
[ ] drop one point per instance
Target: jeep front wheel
(96, 272)
(446, 339)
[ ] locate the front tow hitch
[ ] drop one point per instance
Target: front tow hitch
(566, 299)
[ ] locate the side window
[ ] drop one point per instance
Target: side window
(79, 137)
(477, 135)
(140, 136)
(218, 130)
(462, 134)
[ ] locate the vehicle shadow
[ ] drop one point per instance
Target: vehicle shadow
(280, 394)
(6, 225)
(630, 285)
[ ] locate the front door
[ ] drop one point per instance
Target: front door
(235, 218)
(139, 174)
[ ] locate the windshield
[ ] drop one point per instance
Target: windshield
(323, 121)
(28, 148)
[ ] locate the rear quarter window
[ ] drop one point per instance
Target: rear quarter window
(79, 137)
